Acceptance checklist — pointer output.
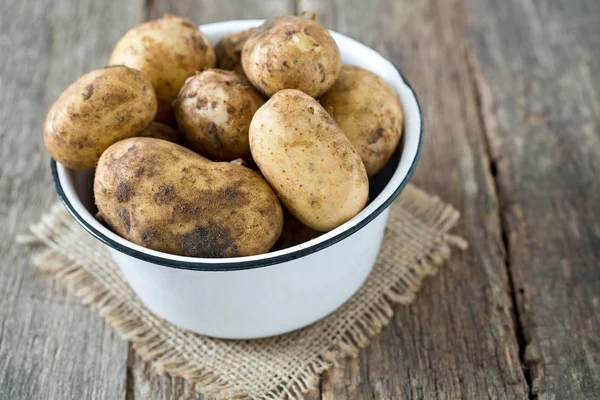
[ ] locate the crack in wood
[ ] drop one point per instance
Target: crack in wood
(130, 381)
(518, 328)
(297, 6)
(147, 12)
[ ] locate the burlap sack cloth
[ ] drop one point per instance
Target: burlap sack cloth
(283, 367)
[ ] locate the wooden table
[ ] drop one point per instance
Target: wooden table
(511, 98)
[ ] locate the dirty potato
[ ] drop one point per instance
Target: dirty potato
(162, 131)
(369, 112)
(291, 52)
(308, 161)
(166, 51)
(99, 109)
(165, 197)
(229, 51)
(214, 110)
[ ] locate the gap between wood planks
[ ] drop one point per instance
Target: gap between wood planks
(148, 4)
(519, 330)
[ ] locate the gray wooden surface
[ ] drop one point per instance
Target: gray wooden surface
(511, 99)
(51, 347)
(539, 92)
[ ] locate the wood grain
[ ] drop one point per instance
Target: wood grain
(203, 12)
(51, 346)
(457, 340)
(539, 82)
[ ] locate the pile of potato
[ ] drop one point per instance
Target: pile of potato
(176, 142)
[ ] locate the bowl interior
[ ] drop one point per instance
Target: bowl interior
(75, 187)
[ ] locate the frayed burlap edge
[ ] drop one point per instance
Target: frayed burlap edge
(167, 357)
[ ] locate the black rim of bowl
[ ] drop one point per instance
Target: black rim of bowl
(250, 264)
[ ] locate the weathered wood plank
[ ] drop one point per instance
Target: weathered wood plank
(538, 76)
(145, 382)
(50, 346)
(457, 340)
(203, 12)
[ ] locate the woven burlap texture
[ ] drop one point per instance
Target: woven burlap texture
(283, 367)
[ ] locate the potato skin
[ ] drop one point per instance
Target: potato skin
(308, 161)
(369, 112)
(229, 51)
(166, 51)
(165, 197)
(291, 52)
(97, 110)
(214, 109)
(162, 131)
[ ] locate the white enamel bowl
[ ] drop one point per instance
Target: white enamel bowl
(268, 294)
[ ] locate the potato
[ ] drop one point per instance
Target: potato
(214, 110)
(99, 109)
(159, 130)
(306, 158)
(167, 198)
(229, 51)
(369, 112)
(291, 53)
(166, 51)
(294, 232)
